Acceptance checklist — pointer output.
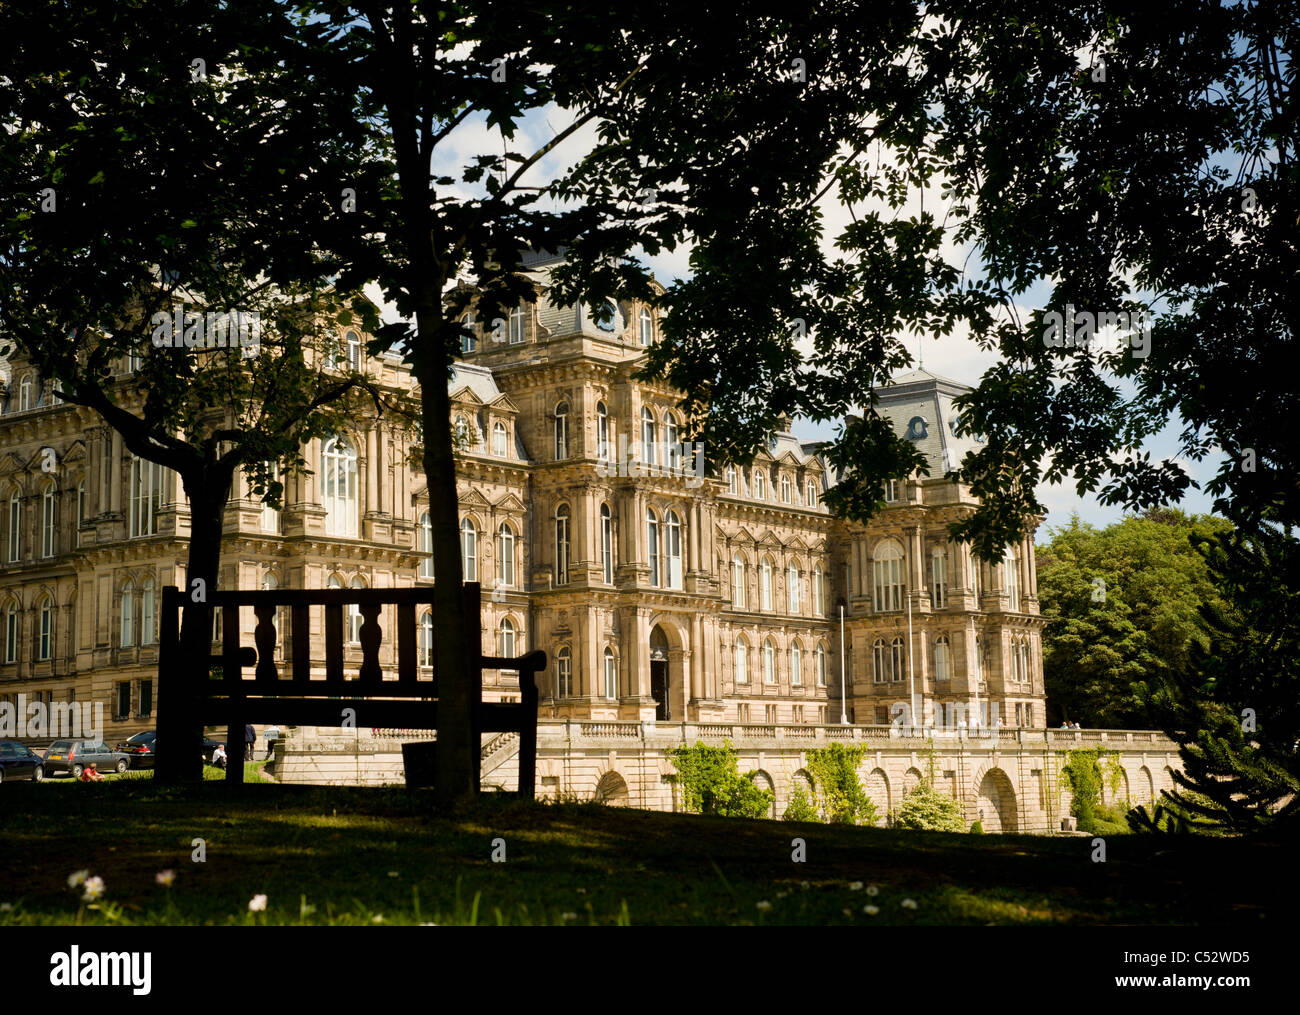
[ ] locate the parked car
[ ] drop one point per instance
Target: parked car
(18, 761)
(142, 749)
(71, 756)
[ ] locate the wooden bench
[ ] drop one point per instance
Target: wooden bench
(370, 697)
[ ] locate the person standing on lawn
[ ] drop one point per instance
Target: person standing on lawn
(250, 738)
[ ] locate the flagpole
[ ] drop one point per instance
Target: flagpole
(911, 679)
(844, 715)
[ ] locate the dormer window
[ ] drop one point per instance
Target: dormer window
(785, 489)
(469, 337)
(760, 485)
(647, 329)
(517, 326)
(499, 439)
(917, 428)
(812, 494)
(353, 351)
(891, 490)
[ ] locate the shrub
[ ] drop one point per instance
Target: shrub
(712, 784)
(800, 808)
(976, 828)
(927, 809)
(840, 795)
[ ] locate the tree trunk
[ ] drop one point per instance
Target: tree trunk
(454, 780)
(180, 726)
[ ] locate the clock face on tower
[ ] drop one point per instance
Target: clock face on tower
(609, 324)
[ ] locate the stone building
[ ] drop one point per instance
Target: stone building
(659, 590)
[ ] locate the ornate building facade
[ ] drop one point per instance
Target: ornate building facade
(660, 591)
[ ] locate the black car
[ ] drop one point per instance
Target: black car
(142, 749)
(18, 761)
(71, 756)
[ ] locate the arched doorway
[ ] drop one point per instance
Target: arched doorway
(612, 790)
(659, 684)
(996, 802)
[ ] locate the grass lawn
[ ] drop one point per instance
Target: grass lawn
(349, 856)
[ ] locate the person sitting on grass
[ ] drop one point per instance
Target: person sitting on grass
(219, 756)
(91, 774)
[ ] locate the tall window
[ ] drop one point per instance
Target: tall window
(45, 648)
(740, 662)
(128, 615)
(979, 661)
(602, 432)
(15, 526)
(1024, 660)
(812, 494)
(731, 479)
(647, 326)
(426, 638)
(426, 545)
(879, 661)
(354, 351)
(652, 545)
(896, 658)
(47, 521)
(891, 490)
(562, 545)
(819, 591)
(469, 337)
(271, 516)
(564, 673)
(792, 589)
(939, 579)
(562, 431)
(760, 484)
(796, 664)
(499, 439)
(648, 452)
(146, 496)
(611, 674)
(25, 393)
(81, 508)
(765, 584)
(672, 448)
(785, 489)
(11, 633)
(506, 638)
(888, 573)
(769, 661)
(737, 582)
(147, 636)
(505, 555)
(821, 665)
(942, 659)
(607, 544)
(354, 615)
(339, 486)
(517, 326)
(673, 549)
(1013, 580)
(469, 550)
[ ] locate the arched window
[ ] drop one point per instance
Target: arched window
(602, 432)
(647, 326)
(879, 661)
(652, 545)
(649, 453)
(740, 662)
(769, 661)
(11, 632)
(796, 664)
(354, 351)
(426, 545)
(469, 337)
(426, 637)
(339, 487)
(499, 439)
(25, 393)
(812, 494)
(468, 550)
(896, 658)
(760, 484)
(463, 441)
(611, 674)
(821, 665)
(607, 544)
(792, 588)
(147, 636)
(354, 614)
(47, 521)
(562, 545)
(517, 326)
(15, 527)
(738, 582)
(673, 549)
(939, 579)
(564, 673)
(128, 615)
(942, 659)
(819, 591)
(45, 649)
(1024, 660)
(505, 555)
(888, 573)
(562, 431)
(506, 638)
(731, 479)
(672, 448)
(765, 584)
(1013, 580)
(785, 489)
